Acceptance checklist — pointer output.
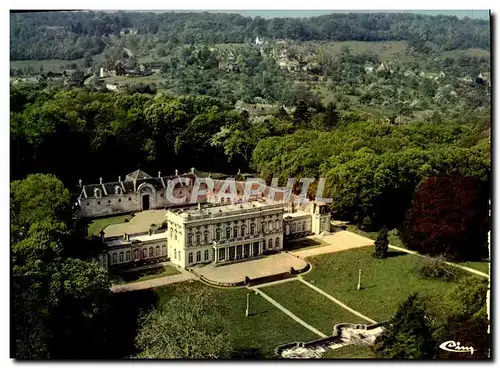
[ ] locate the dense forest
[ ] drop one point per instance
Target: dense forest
(68, 35)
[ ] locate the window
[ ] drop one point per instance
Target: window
(121, 257)
(222, 254)
(235, 231)
(163, 250)
(206, 255)
(277, 243)
(98, 202)
(97, 193)
(135, 254)
(243, 230)
(190, 257)
(228, 232)
(239, 251)
(151, 252)
(127, 256)
(157, 251)
(270, 225)
(114, 258)
(294, 228)
(264, 245)
(270, 244)
(175, 253)
(277, 224)
(252, 229)
(129, 198)
(190, 239)
(198, 238)
(118, 190)
(109, 201)
(246, 250)
(263, 226)
(205, 236)
(198, 256)
(304, 226)
(217, 234)
(119, 199)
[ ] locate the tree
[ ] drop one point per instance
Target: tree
(408, 334)
(448, 217)
(189, 327)
(87, 59)
(381, 244)
(462, 316)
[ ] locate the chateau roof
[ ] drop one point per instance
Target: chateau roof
(137, 175)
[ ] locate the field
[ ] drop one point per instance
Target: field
(396, 241)
(148, 79)
(97, 225)
(385, 283)
(147, 274)
(53, 65)
(310, 306)
(265, 328)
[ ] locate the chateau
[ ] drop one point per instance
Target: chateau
(138, 192)
(217, 230)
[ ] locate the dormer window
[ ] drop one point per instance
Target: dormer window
(118, 190)
(97, 193)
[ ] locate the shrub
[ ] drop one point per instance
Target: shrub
(436, 268)
(381, 244)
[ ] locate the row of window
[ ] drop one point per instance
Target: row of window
(109, 201)
(301, 226)
(242, 231)
(137, 254)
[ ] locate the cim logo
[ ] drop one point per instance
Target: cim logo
(455, 347)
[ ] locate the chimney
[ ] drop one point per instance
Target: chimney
(128, 237)
(125, 236)
(199, 206)
(120, 179)
(100, 180)
(159, 174)
(176, 172)
(150, 231)
(192, 170)
(80, 183)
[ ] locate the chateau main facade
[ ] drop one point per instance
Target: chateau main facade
(215, 231)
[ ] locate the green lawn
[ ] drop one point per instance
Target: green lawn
(147, 79)
(349, 352)
(480, 266)
(396, 241)
(150, 273)
(310, 306)
(304, 244)
(386, 283)
(265, 328)
(97, 225)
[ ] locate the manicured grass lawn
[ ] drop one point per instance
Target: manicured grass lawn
(386, 283)
(304, 244)
(396, 241)
(150, 273)
(349, 352)
(97, 225)
(265, 328)
(310, 306)
(480, 266)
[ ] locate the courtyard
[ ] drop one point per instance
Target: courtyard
(139, 222)
(257, 268)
